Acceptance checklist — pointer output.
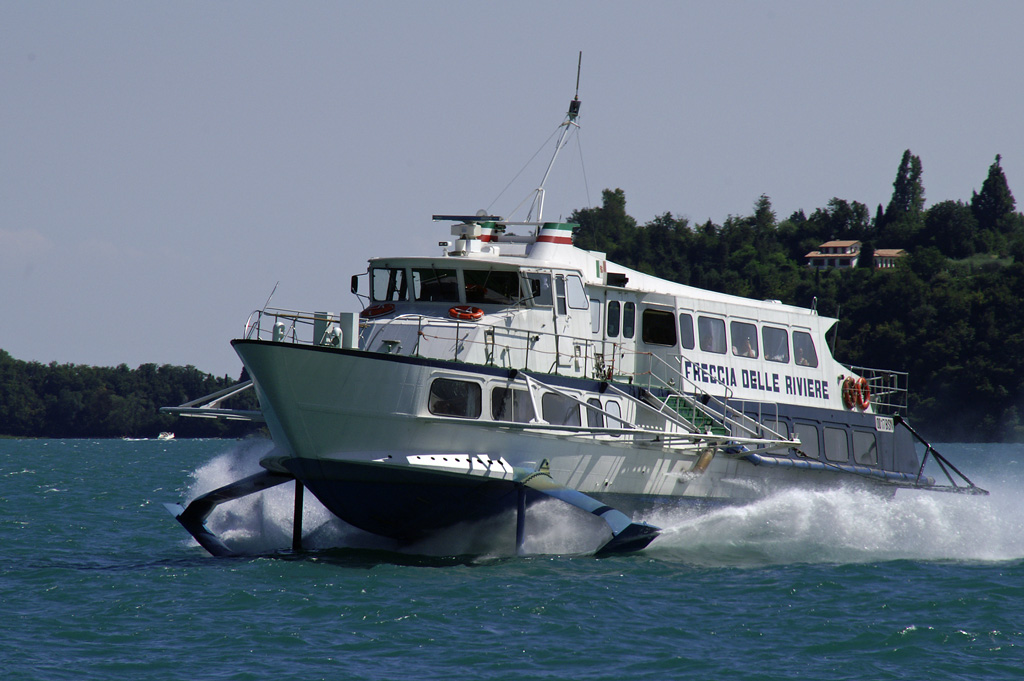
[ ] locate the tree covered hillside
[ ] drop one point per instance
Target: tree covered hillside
(951, 312)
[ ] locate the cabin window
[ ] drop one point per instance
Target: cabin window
(628, 320)
(807, 433)
(803, 349)
(491, 286)
(836, 447)
(511, 405)
(776, 344)
(389, 284)
(560, 293)
(540, 288)
(595, 316)
(449, 397)
(560, 410)
(614, 412)
(577, 294)
(744, 339)
(686, 331)
(865, 448)
(712, 334)
(613, 319)
(435, 285)
(658, 327)
(595, 419)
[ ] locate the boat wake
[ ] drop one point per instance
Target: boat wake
(795, 526)
(847, 526)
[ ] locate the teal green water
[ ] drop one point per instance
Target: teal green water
(97, 581)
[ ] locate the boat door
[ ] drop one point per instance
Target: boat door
(620, 334)
(658, 348)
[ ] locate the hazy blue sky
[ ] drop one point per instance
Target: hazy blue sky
(163, 165)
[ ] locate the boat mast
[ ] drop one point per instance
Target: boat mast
(567, 124)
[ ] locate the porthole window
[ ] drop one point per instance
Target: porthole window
(449, 397)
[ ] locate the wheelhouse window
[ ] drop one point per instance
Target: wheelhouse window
(803, 349)
(577, 294)
(613, 319)
(449, 397)
(539, 288)
(686, 330)
(658, 327)
(744, 339)
(435, 285)
(776, 344)
(491, 286)
(508, 404)
(836, 447)
(559, 410)
(389, 284)
(628, 320)
(865, 448)
(712, 334)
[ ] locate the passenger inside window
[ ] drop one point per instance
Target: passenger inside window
(712, 334)
(803, 349)
(744, 339)
(776, 344)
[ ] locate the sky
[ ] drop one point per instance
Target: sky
(165, 165)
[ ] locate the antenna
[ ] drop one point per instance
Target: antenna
(570, 121)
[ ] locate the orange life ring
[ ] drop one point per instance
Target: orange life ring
(378, 310)
(863, 393)
(466, 312)
(850, 392)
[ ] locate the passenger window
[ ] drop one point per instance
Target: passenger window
(744, 339)
(449, 397)
(511, 405)
(807, 433)
(712, 334)
(434, 285)
(659, 327)
(613, 319)
(776, 344)
(595, 419)
(686, 331)
(803, 349)
(628, 320)
(560, 410)
(836, 447)
(865, 449)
